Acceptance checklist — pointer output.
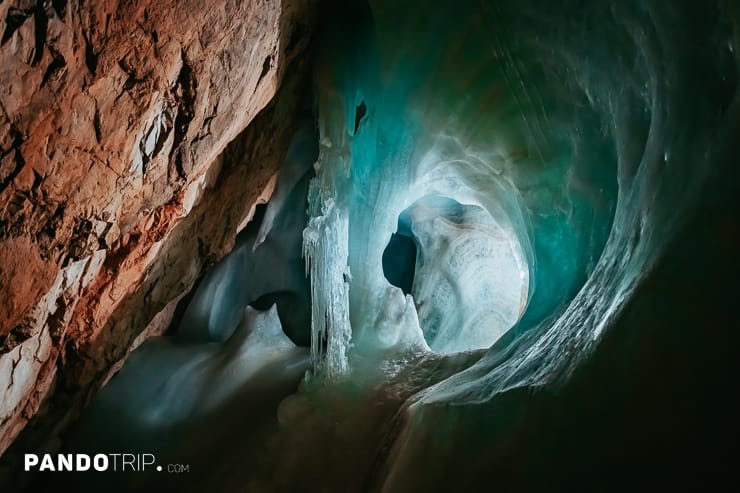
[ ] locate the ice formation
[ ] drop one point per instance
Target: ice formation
(471, 278)
(186, 381)
(265, 265)
(384, 148)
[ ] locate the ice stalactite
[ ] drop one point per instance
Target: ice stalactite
(325, 250)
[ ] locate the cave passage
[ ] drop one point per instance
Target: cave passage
(488, 189)
(467, 276)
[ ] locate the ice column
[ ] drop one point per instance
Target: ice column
(326, 250)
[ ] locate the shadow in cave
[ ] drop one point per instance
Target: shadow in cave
(399, 261)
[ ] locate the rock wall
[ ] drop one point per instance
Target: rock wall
(115, 186)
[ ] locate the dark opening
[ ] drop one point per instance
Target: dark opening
(399, 261)
(360, 112)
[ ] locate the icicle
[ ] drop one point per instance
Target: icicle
(326, 251)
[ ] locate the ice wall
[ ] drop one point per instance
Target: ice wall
(585, 127)
(471, 280)
(559, 124)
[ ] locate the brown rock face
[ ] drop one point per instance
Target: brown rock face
(115, 190)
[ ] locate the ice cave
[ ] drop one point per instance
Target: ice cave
(498, 251)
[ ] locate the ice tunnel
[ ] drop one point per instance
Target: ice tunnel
(464, 245)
